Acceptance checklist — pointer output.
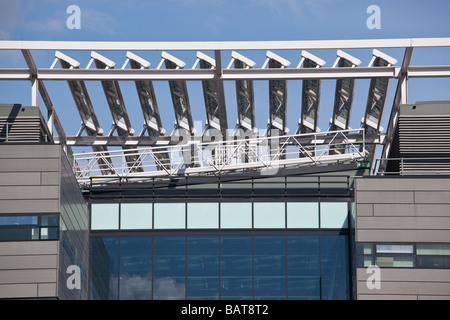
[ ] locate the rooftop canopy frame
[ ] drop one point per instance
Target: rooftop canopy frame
(311, 70)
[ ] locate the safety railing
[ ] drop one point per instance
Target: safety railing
(412, 166)
(267, 154)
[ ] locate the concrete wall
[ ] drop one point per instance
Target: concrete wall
(403, 210)
(37, 178)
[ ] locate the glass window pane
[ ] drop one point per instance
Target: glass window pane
(269, 215)
(303, 267)
(50, 220)
(394, 248)
(170, 215)
(235, 215)
(334, 215)
(136, 215)
(104, 268)
(302, 215)
(433, 262)
(270, 267)
(19, 234)
(365, 261)
(433, 249)
(364, 248)
(202, 267)
(105, 216)
(236, 273)
(135, 268)
(18, 220)
(169, 261)
(50, 233)
(334, 267)
(395, 261)
(203, 215)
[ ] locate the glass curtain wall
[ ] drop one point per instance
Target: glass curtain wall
(306, 267)
(228, 250)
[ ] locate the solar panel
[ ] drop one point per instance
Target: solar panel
(213, 92)
(179, 94)
(277, 96)
(121, 122)
(244, 94)
(310, 95)
(149, 106)
(343, 98)
(184, 125)
(376, 99)
(90, 123)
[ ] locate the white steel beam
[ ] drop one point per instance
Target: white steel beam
(189, 74)
(393, 119)
(228, 74)
(376, 99)
(226, 45)
(90, 123)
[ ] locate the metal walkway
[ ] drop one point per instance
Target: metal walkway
(265, 154)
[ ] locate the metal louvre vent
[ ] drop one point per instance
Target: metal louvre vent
(22, 124)
(424, 139)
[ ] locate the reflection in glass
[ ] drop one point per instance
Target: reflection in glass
(169, 260)
(303, 267)
(19, 234)
(395, 261)
(104, 267)
(18, 220)
(236, 267)
(433, 262)
(50, 220)
(433, 249)
(135, 268)
(50, 233)
(270, 267)
(394, 248)
(334, 267)
(202, 267)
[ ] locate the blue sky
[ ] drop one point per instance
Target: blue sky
(221, 20)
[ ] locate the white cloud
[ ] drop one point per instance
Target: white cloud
(48, 24)
(98, 21)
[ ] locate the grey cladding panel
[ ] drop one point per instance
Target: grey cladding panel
(29, 192)
(29, 206)
(27, 165)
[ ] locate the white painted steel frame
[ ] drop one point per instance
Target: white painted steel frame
(246, 74)
(90, 123)
(266, 153)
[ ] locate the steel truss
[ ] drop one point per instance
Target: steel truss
(243, 71)
(265, 154)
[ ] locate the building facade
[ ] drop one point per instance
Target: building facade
(247, 215)
(284, 237)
